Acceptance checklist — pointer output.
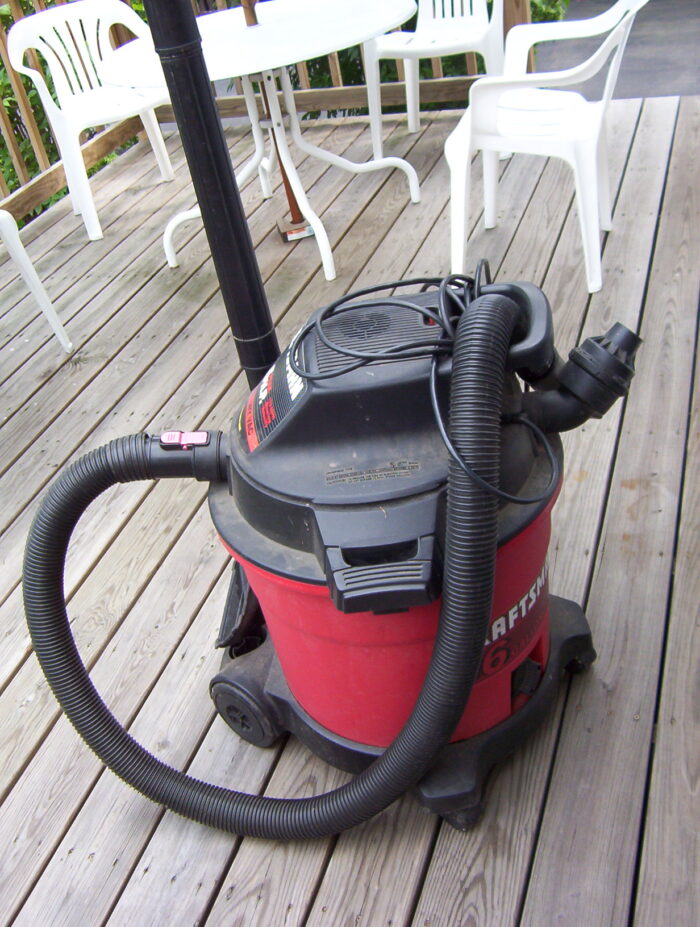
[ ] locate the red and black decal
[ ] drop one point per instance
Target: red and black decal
(269, 403)
(511, 632)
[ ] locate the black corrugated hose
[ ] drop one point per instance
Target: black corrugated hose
(480, 349)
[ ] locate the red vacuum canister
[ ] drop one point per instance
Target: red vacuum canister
(359, 674)
(335, 512)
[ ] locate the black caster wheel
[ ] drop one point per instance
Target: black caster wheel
(247, 714)
(464, 818)
(581, 662)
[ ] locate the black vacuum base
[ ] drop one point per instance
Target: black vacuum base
(252, 696)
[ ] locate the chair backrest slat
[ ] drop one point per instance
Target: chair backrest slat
(451, 9)
(618, 38)
(74, 38)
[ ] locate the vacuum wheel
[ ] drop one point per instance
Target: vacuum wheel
(247, 714)
(464, 818)
(581, 662)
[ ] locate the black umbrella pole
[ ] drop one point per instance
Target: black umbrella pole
(178, 43)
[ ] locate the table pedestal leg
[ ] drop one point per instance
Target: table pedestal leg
(281, 149)
(285, 158)
(376, 164)
(264, 164)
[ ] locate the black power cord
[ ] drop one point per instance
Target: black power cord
(455, 293)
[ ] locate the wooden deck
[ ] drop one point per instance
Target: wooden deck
(596, 821)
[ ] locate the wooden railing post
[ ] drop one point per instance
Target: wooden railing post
(25, 110)
(515, 12)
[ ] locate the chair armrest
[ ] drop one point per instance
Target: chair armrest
(16, 55)
(522, 38)
(488, 87)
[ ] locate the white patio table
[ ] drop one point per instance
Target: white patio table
(288, 31)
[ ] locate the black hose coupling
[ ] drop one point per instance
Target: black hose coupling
(198, 454)
(597, 373)
(600, 370)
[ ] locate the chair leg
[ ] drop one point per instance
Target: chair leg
(71, 184)
(490, 161)
(586, 180)
(155, 137)
(459, 161)
(15, 248)
(604, 201)
(494, 55)
(412, 93)
(79, 186)
(374, 99)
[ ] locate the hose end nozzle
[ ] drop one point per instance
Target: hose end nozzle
(600, 370)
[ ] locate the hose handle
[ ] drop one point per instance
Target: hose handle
(533, 354)
(198, 454)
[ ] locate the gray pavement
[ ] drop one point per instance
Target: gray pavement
(662, 57)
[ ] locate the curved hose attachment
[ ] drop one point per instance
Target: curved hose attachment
(481, 345)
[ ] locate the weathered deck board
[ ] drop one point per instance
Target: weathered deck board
(124, 673)
(133, 187)
(673, 814)
(596, 795)
(671, 824)
(170, 722)
(53, 226)
(154, 352)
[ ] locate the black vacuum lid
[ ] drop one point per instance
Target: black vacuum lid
(344, 470)
(340, 438)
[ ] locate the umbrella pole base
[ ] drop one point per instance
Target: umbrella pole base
(293, 231)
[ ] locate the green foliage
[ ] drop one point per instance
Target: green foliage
(137, 6)
(9, 102)
(12, 111)
(546, 10)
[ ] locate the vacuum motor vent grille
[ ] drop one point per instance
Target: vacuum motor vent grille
(367, 327)
(370, 330)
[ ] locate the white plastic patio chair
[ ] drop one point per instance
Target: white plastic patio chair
(522, 112)
(10, 235)
(74, 41)
(443, 27)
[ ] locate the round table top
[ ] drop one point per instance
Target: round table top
(288, 31)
